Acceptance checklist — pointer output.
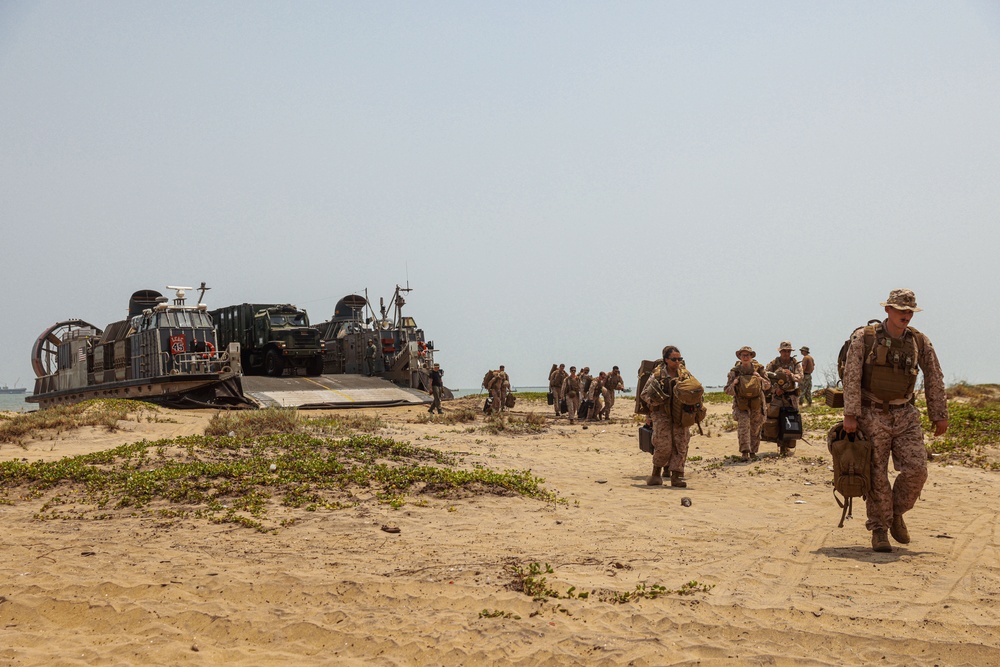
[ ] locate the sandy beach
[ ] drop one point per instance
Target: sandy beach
(755, 570)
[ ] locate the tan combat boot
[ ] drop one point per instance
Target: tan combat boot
(655, 479)
(898, 530)
(880, 541)
(677, 479)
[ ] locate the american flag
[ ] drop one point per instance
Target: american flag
(81, 355)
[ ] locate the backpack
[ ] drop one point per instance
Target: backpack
(685, 402)
(487, 379)
(645, 370)
(852, 465)
(749, 386)
(552, 374)
(748, 392)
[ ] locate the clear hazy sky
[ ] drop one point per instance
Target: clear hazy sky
(581, 182)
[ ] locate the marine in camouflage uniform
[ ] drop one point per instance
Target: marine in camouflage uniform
(808, 366)
(586, 379)
(556, 379)
(499, 386)
(785, 361)
(612, 383)
(748, 420)
(670, 440)
(572, 389)
(884, 411)
(596, 396)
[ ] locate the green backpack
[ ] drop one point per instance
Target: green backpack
(645, 371)
(852, 466)
(686, 408)
(748, 392)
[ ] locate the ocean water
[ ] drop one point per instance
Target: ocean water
(15, 403)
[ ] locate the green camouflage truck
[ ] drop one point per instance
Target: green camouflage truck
(273, 338)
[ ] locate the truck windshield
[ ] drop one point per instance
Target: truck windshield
(295, 320)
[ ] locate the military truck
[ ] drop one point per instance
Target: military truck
(273, 338)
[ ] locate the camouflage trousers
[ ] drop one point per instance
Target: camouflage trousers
(596, 409)
(558, 395)
(572, 406)
(748, 423)
(609, 402)
(896, 434)
(499, 396)
(806, 388)
(670, 443)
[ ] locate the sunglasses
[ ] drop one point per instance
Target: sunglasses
(675, 359)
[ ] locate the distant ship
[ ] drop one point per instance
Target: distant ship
(13, 390)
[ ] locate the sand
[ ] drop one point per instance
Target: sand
(778, 583)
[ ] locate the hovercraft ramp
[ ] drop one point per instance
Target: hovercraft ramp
(326, 392)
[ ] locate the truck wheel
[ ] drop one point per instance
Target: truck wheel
(315, 366)
(274, 365)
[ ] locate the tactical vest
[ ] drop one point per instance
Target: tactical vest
(891, 365)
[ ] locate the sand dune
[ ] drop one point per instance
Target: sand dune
(777, 582)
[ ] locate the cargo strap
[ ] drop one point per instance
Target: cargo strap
(848, 506)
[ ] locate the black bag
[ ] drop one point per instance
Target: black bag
(584, 410)
(551, 398)
(488, 405)
(562, 406)
(646, 439)
(789, 423)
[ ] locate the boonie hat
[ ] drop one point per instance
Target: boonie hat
(804, 350)
(745, 348)
(785, 345)
(902, 299)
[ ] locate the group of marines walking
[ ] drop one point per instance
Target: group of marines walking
(570, 390)
(880, 369)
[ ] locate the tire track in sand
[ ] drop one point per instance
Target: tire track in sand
(964, 555)
(799, 565)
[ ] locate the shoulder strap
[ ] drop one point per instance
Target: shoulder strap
(919, 339)
(871, 333)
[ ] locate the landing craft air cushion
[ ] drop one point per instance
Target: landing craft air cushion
(161, 352)
(172, 354)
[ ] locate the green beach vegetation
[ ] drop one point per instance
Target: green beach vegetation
(973, 437)
(57, 420)
(273, 459)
